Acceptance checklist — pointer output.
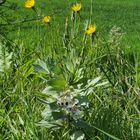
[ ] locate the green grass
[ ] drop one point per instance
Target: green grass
(125, 14)
(103, 73)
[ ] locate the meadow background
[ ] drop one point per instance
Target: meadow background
(124, 14)
(35, 55)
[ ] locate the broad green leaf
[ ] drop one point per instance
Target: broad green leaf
(41, 66)
(49, 91)
(52, 124)
(53, 106)
(47, 113)
(57, 115)
(70, 67)
(77, 135)
(84, 125)
(5, 58)
(58, 83)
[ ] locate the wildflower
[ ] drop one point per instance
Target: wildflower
(47, 19)
(76, 7)
(91, 29)
(30, 3)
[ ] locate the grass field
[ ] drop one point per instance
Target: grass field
(124, 14)
(57, 82)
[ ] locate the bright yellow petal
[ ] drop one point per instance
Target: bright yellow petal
(30, 3)
(47, 19)
(91, 29)
(76, 7)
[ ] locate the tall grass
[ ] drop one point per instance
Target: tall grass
(57, 82)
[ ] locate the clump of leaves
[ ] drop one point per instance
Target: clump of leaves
(65, 107)
(5, 58)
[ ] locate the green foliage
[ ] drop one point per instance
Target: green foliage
(5, 58)
(58, 83)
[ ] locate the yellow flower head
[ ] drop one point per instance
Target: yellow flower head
(47, 19)
(76, 7)
(30, 3)
(91, 29)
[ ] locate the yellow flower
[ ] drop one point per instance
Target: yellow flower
(30, 3)
(91, 29)
(47, 19)
(76, 7)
